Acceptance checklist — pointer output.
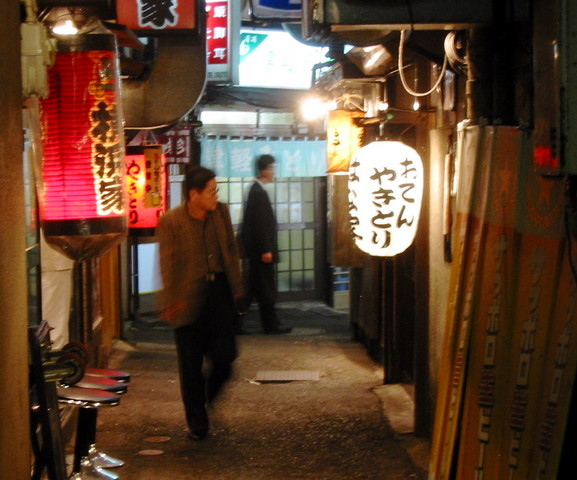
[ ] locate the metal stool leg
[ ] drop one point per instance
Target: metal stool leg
(88, 463)
(84, 468)
(90, 472)
(102, 460)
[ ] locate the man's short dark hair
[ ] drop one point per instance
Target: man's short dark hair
(264, 161)
(196, 178)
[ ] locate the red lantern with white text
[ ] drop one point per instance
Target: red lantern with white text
(385, 194)
(146, 184)
(82, 197)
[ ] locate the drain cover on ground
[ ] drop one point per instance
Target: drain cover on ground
(286, 375)
(150, 452)
(159, 439)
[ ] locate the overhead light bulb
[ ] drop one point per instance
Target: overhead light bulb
(65, 28)
(314, 108)
(416, 103)
(383, 106)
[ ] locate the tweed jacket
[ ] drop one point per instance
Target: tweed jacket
(183, 270)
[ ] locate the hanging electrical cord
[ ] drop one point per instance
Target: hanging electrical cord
(453, 45)
(402, 73)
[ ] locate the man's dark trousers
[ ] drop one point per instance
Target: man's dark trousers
(211, 336)
(263, 287)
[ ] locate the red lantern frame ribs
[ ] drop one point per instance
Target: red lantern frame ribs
(83, 200)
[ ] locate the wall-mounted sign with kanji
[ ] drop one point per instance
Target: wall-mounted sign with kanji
(177, 143)
(219, 31)
(385, 194)
(153, 16)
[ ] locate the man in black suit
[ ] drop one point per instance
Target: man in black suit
(259, 237)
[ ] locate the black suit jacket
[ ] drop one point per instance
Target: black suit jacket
(259, 226)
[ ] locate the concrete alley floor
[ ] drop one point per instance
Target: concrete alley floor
(334, 427)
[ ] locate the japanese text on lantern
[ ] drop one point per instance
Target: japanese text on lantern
(385, 191)
(104, 132)
(133, 175)
(153, 164)
(146, 183)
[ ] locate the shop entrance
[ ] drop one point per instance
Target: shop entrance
(300, 207)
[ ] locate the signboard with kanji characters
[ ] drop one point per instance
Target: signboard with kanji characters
(177, 144)
(222, 30)
(154, 16)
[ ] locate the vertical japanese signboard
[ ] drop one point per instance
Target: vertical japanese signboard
(222, 29)
(177, 144)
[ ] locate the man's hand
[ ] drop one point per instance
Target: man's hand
(173, 310)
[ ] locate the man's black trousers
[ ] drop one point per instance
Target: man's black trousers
(211, 338)
(263, 288)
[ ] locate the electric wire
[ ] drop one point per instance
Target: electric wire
(402, 73)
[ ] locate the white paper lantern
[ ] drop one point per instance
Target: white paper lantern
(385, 195)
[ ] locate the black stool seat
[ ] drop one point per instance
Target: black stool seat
(108, 373)
(88, 400)
(102, 383)
(87, 397)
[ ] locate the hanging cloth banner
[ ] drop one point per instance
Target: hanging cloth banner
(235, 156)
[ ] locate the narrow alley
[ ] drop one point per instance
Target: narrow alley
(307, 405)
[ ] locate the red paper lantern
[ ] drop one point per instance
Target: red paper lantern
(82, 199)
(146, 185)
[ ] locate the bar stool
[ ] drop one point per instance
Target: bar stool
(101, 383)
(118, 375)
(88, 463)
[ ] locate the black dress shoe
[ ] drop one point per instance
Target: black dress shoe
(198, 435)
(278, 330)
